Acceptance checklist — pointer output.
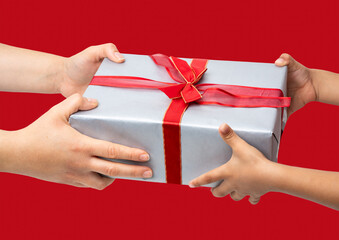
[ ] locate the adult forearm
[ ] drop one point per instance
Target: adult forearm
(315, 185)
(23, 70)
(6, 150)
(327, 86)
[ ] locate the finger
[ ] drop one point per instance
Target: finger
(111, 150)
(253, 200)
(214, 175)
(229, 136)
(236, 196)
(282, 60)
(113, 169)
(94, 180)
(77, 184)
(108, 50)
(222, 190)
(287, 60)
(75, 103)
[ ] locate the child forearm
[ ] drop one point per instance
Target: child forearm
(249, 172)
(314, 185)
(326, 85)
(23, 70)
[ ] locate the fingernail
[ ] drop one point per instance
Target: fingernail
(223, 128)
(144, 157)
(191, 185)
(119, 56)
(147, 174)
(280, 61)
(92, 100)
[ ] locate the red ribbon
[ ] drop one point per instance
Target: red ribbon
(186, 91)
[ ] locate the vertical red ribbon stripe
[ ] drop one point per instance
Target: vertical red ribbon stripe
(172, 139)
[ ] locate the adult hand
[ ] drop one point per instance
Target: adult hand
(50, 149)
(80, 68)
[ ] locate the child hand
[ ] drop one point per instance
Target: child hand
(50, 149)
(300, 84)
(80, 68)
(246, 173)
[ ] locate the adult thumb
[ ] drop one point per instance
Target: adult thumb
(75, 103)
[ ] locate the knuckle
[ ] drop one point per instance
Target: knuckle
(195, 182)
(79, 147)
(94, 50)
(110, 45)
(89, 49)
(77, 98)
(134, 173)
(288, 58)
(235, 198)
(112, 171)
(137, 173)
(112, 151)
(254, 202)
(254, 199)
(130, 155)
(74, 164)
(230, 134)
(256, 196)
(207, 179)
(218, 194)
(286, 55)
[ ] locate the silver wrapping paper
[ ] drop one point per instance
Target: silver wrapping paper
(133, 117)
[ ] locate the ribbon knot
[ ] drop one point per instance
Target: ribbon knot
(187, 76)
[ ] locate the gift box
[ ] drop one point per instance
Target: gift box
(172, 108)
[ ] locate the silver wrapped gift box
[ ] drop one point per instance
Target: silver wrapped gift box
(134, 117)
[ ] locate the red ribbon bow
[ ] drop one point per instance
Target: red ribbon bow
(188, 91)
(189, 76)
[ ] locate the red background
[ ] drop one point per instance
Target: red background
(231, 30)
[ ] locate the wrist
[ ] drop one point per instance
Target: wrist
(6, 150)
(314, 82)
(57, 70)
(281, 178)
(271, 175)
(14, 149)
